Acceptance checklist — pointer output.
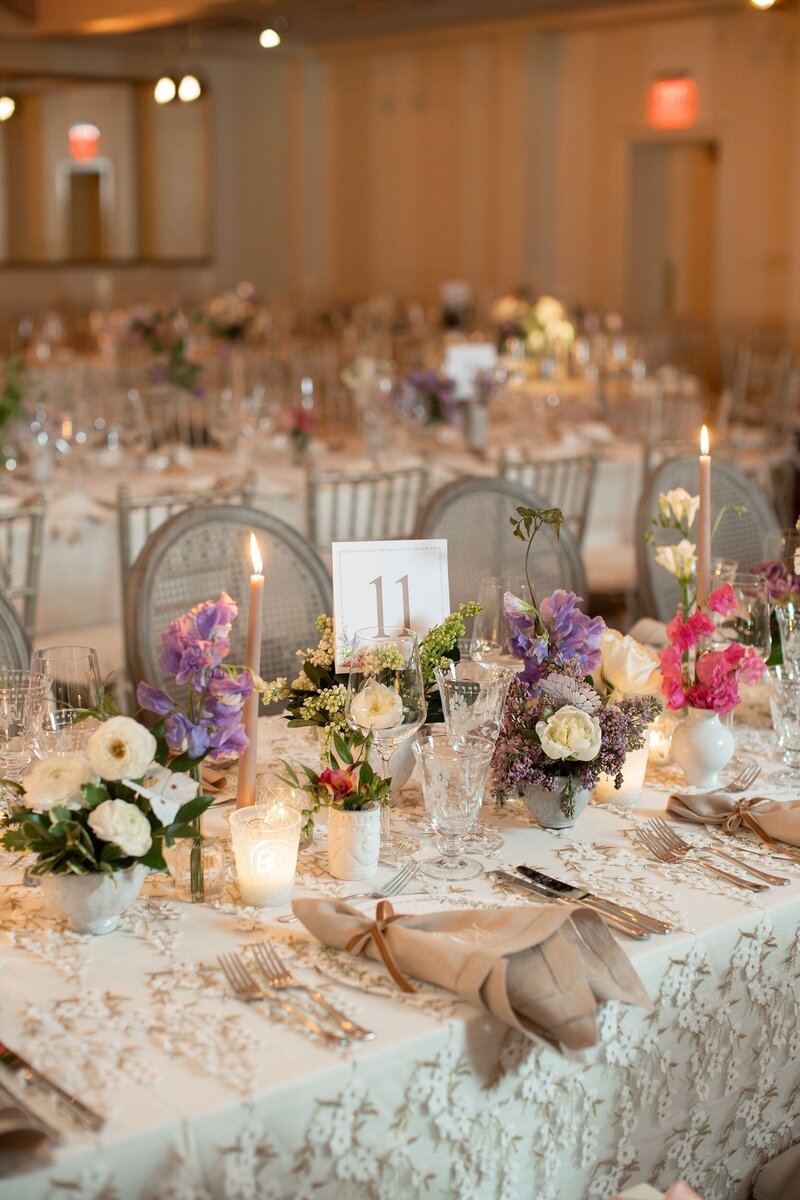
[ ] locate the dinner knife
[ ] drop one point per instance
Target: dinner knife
(580, 895)
(17, 1065)
(626, 926)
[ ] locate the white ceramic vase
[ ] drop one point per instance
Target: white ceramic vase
(702, 746)
(354, 841)
(545, 807)
(633, 773)
(93, 903)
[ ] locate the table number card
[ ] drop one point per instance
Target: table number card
(464, 361)
(385, 584)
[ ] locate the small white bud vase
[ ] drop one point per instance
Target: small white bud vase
(354, 842)
(633, 773)
(93, 903)
(702, 746)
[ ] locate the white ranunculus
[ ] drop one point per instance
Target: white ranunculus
(679, 504)
(58, 780)
(124, 824)
(167, 791)
(571, 734)
(376, 706)
(548, 310)
(121, 749)
(628, 666)
(680, 560)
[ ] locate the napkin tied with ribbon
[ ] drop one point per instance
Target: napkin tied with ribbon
(778, 819)
(543, 970)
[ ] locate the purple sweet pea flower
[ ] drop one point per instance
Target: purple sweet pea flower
(517, 612)
(572, 633)
(196, 661)
(214, 620)
(153, 699)
(228, 738)
(230, 689)
(185, 738)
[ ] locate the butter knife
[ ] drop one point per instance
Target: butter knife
(579, 895)
(17, 1065)
(626, 926)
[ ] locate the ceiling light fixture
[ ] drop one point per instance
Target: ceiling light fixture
(7, 107)
(189, 89)
(762, 4)
(165, 90)
(269, 38)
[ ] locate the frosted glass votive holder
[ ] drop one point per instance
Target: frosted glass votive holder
(265, 842)
(633, 773)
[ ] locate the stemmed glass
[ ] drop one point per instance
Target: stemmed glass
(473, 696)
(22, 698)
(749, 625)
(783, 685)
(74, 688)
(386, 697)
(490, 632)
(453, 779)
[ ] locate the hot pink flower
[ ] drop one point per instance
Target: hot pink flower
(338, 782)
(723, 600)
(686, 634)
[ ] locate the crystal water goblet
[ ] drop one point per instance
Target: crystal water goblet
(453, 779)
(22, 700)
(783, 685)
(386, 698)
(74, 688)
(473, 697)
(787, 616)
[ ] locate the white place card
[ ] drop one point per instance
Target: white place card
(464, 361)
(385, 584)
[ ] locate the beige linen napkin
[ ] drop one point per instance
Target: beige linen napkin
(23, 1143)
(541, 969)
(779, 819)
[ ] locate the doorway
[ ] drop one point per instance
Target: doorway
(673, 231)
(85, 229)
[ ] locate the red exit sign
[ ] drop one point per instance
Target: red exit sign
(672, 103)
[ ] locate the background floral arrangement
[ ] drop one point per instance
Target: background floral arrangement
(537, 323)
(784, 589)
(299, 423)
(231, 314)
(438, 393)
(164, 332)
(706, 679)
(105, 810)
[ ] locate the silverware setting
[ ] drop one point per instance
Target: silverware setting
(664, 850)
(681, 847)
(275, 975)
(392, 887)
(623, 924)
(246, 989)
(575, 893)
(22, 1069)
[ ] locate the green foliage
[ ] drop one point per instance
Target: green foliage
(12, 395)
(526, 525)
(351, 786)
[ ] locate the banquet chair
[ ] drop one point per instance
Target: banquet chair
(743, 538)
(15, 650)
(474, 515)
(358, 506)
(21, 537)
(139, 516)
(204, 550)
(565, 483)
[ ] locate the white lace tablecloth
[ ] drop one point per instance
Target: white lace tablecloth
(207, 1097)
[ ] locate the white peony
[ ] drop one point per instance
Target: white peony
(571, 734)
(123, 824)
(58, 780)
(376, 706)
(628, 666)
(166, 790)
(678, 503)
(548, 311)
(680, 560)
(121, 749)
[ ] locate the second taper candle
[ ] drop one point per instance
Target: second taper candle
(704, 521)
(246, 783)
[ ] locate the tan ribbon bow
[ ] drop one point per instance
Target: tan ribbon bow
(384, 917)
(738, 815)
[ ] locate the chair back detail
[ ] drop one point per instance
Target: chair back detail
(743, 538)
(204, 550)
(358, 506)
(21, 536)
(15, 650)
(565, 483)
(474, 515)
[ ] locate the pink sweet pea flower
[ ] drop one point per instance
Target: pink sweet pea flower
(723, 600)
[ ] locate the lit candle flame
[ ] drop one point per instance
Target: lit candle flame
(704, 440)
(255, 555)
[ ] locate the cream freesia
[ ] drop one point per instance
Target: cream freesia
(680, 560)
(628, 666)
(678, 503)
(124, 825)
(376, 706)
(121, 749)
(166, 790)
(571, 734)
(58, 781)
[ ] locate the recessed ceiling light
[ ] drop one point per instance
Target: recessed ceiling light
(189, 88)
(165, 90)
(762, 3)
(269, 38)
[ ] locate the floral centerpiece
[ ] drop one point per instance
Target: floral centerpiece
(559, 735)
(538, 325)
(107, 812)
(299, 423)
(164, 333)
(437, 393)
(231, 314)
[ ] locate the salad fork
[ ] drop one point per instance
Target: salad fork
(276, 976)
(392, 887)
(245, 988)
(660, 850)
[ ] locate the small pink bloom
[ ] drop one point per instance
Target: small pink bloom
(723, 600)
(338, 782)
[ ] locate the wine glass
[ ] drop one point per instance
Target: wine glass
(749, 625)
(386, 697)
(22, 698)
(783, 685)
(453, 779)
(491, 631)
(74, 687)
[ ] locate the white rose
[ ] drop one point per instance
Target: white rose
(121, 748)
(628, 666)
(679, 560)
(376, 707)
(58, 780)
(166, 790)
(570, 733)
(123, 824)
(679, 504)
(548, 310)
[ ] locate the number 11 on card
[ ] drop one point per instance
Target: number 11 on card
(377, 583)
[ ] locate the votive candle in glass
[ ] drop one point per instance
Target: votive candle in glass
(265, 843)
(630, 792)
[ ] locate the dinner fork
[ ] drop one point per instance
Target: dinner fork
(392, 887)
(658, 847)
(276, 976)
(676, 843)
(245, 988)
(741, 782)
